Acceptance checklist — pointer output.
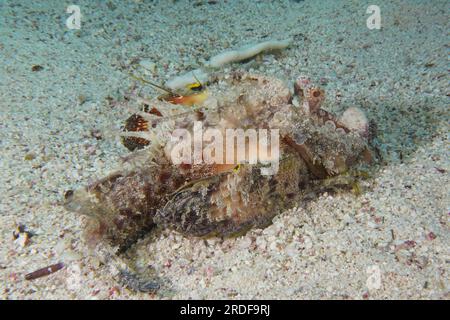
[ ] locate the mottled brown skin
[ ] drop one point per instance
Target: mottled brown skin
(205, 209)
(218, 200)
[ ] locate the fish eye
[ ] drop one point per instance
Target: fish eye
(195, 87)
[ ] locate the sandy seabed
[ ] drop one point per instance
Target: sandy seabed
(57, 125)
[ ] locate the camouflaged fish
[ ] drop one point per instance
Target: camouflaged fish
(216, 199)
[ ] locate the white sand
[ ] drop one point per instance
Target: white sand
(323, 249)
